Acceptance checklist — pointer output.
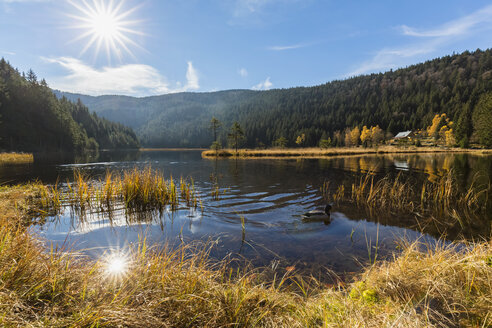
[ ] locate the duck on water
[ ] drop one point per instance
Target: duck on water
(318, 215)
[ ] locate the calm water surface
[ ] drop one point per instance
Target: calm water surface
(271, 195)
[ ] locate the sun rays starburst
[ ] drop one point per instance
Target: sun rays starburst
(106, 26)
(116, 265)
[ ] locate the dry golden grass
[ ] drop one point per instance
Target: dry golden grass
(318, 152)
(15, 158)
(21, 202)
(424, 286)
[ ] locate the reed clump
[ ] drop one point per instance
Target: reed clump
(136, 190)
(384, 193)
(441, 197)
(22, 202)
(15, 158)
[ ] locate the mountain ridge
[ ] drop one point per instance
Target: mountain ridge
(397, 100)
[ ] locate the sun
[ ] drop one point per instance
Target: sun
(106, 26)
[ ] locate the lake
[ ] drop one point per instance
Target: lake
(270, 195)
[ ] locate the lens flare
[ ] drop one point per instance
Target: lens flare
(106, 25)
(116, 265)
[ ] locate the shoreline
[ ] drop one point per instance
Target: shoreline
(332, 152)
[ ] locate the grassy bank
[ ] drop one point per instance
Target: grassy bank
(318, 152)
(442, 286)
(15, 158)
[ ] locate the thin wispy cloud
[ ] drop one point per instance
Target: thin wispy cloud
(265, 85)
(461, 26)
(289, 47)
(9, 53)
(390, 58)
(192, 81)
(243, 72)
(132, 80)
(428, 41)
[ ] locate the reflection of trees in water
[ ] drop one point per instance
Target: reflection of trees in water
(464, 167)
(299, 164)
(367, 164)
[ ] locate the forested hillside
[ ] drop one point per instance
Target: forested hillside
(33, 119)
(174, 120)
(397, 100)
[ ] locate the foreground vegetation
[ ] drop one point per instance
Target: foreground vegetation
(423, 286)
(15, 158)
(319, 152)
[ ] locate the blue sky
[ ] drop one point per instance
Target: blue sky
(207, 45)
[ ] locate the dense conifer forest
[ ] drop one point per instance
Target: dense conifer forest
(459, 85)
(33, 119)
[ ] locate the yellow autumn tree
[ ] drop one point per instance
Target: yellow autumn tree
(449, 137)
(354, 136)
(347, 140)
(442, 129)
(377, 135)
(365, 136)
(437, 123)
(300, 139)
